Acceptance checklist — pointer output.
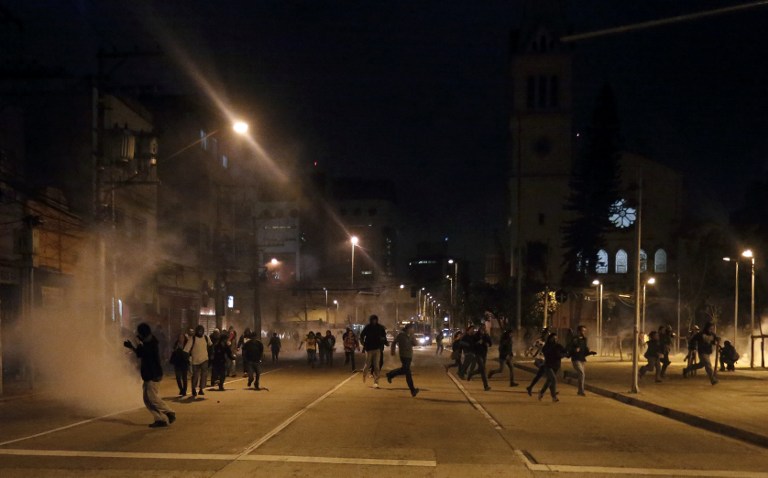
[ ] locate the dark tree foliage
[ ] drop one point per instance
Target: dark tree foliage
(594, 188)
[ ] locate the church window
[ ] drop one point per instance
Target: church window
(643, 261)
(660, 261)
(621, 262)
(602, 262)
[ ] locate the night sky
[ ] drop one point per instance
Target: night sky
(417, 90)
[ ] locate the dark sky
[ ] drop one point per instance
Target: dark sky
(416, 90)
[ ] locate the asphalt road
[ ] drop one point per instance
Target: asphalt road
(327, 422)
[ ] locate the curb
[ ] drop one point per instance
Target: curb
(680, 416)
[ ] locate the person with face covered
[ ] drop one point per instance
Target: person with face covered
(147, 350)
(197, 348)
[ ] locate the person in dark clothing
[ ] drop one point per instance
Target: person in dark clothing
(728, 357)
(456, 345)
(240, 342)
(704, 342)
(322, 345)
(330, 342)
(468, 349)
(222, 353)
(481, 343)
(253, 353)
(578, 350)
(405, 342)
(653, 354)
(666, 338)
(274, 347)
(180, 362)
(148, 351)
(553, 352)
(374, 339)
(538, 361)
(505, 357)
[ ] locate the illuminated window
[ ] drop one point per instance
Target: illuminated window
(643, 261)
(621, 262)
(602, 262)
(660, 261)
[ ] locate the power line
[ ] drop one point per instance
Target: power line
(661, 22)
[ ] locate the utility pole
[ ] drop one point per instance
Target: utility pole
(256, 279)
(636, 335)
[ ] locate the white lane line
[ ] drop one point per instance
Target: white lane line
(90, 420)
(65, 427)
(218, 457)
(117, 454)
(339, 461)
(293, 418)
(615, 470)
(475, 403)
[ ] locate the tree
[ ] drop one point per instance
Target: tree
(594, 189)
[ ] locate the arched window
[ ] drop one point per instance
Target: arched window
(602, 262)
(660, 261)
(621, 262)
(643, 261)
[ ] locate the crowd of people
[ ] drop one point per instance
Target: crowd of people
(194, 352)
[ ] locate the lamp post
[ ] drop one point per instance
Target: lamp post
(336, 312)
(750, 255)
(353, 240)
(735, 301)
(397, 304)
(326, 305)
(650, 281)
(599, 286)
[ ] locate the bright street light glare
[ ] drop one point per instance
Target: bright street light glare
(652, 280)
(274, 261)
(747, 253)
(595, 282)
(354, 240)
(240, 127)
(727, 259)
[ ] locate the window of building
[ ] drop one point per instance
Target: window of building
(602, 262)
(660, 261)
(643, 261)
(621, 262)
(224, 161)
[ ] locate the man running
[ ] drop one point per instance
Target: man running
(578, 350)
(373, 337)
(405, 342)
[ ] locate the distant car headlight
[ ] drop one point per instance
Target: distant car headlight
(422, 340)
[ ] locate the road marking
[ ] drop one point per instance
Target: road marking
(90, 420)
(614, 470)
(340, 461)
(217, 457)
(476, 404)
(292, 418)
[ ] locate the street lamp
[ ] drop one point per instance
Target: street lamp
(397, 304)
(353, 240)
(735, 301)
(451, 289)
(326, 305)
(650, 281)
(336, 312)
(749, 255)
(599, 286)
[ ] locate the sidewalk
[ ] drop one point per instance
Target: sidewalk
(737, 407)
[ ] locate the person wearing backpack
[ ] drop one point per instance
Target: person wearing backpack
(197, 348)
(180, 362)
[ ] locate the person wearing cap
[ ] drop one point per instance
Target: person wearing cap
(374, 339)
(405, 342)
(148, 351)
